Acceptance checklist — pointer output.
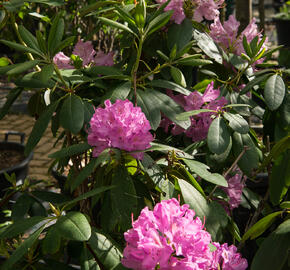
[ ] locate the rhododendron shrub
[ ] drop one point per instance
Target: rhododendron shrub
(119, 125)
(107, 78)
(172, 237)
(199, 123)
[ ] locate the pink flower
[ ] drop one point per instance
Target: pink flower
(171, 237)
(199, 123)
(119, 125)
(85, 51)
(177, 6)
(234, 189)
(62, 61)
(228, 257)
(227, 37)
(207, 9)
(102, 59)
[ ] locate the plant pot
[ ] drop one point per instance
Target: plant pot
(283, 27)
(12, 155)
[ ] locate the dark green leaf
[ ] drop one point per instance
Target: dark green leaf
(178, 76)
(63, 44)
(72, 114)
(185, 115)
(192, 61)
(89, 110)
(237, 122)
(13, 5)
(49, 196)
(55, 34)
(72, 150)
(120, 92)
(88, 261)
(253, 82)
(102, 70)
(206, 43)
(22, 249)
(21, 206)
(166, 148)
(18, 68)
(202, 170)
(123, 197)
(274, 92)
(52, 241)
(247, 47)
(274, 250)
(40, 127)
(11, 97)
(105, 249)
(218, 137)
(20, 226)
(170, 85)
(31, 81)
(74, 226)
(158, 22)
(28, 38)
(261, 226)
(45, 74)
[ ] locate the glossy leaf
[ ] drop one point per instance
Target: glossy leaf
(40, 127)
(192, 61)
(178, 76)
(274, 92)
(253, 82)
(158, 22)
(218, 137)
(72, 114)
(55, 34)
(74, 226)
(237, 122)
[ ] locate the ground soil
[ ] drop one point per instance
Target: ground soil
(10, 158)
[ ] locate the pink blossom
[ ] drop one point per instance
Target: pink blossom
(177, 6)
(234, 189)
(119, 125)
(171, 237)
(199, 123)
(62, 61)
(207, 9)
(102, 59)
(227, 37)
(85, 51)
(228, 257)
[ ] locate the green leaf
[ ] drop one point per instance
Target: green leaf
(19, 68)
(202, 170)
(13, 5)
(40, 127)
(89, 8)
(54, 3)
(63, 44)
(261, 226)
(170, 85)
(179, 34)
(52, 241)
(158, 22)
(21, 48)
(214, 214)
(250, 159)
(72, 150)
(4, 61)
(207, 45)
(116, 25)
(74, 226)
(253, 82)
(88, 261)
(247, 47)
(166, 148)
(89, 194)
(31, 81)
(21, 206)
(45, 74)
(274, 250)
(123, 197)
(120, 92)
(218, 137)
(20, 226)
(192, 61)
(274, 92)
(28, 38)
(41, 41)
(89, 111)
(102, 70)
(285, 205)
(178, 76)
(49, 196)
(237, 122)
(185, 115)
(55, 34)
(11, 97)
(22, 249)
(280, 178)
(72, 114)
(105, 249)
(150, 107)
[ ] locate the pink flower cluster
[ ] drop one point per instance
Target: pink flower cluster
(171, 237)
(207, 9)
(177, 6)
(86, 52)
(234, 189)
(119, 125)
(199, 123)
(227, 37)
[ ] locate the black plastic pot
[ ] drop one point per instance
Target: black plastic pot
(20, 169)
